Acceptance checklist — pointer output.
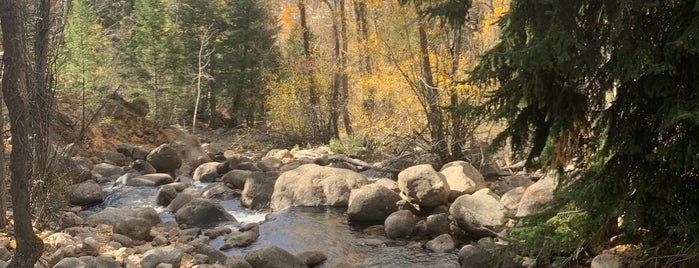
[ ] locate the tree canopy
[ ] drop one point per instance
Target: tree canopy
(612, 87)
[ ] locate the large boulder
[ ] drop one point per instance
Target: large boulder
(203, 212)
(164, 255)
(206, 172)
(268, 164)
(258, 190)
(220, 191)
(143, 167)
(154, 179)
(86, 194)
(372, 203)
(107, 171)
(437, 224)
(606, 260)
(314, 185)
(463, 177)
(165, 195)
(537, 195)
(424, 186)
(164, 159)
(479, 215)
(273, 257)
(441, 244)
(188, 147)
(236, 178)
(400, 224)
(112, 216)
(134, 228)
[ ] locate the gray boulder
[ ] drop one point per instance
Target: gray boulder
(164, 159)
(112, 216)
(478, 215)
(437, 224)
(273, 257)
(86, 194)
(510, 200)
(400, 224)
(220, 191)
(441, 244)
(371, 203)
(312, 258)
(606, 260)
(269, 164)
(258, 190)
(463, 177)
(143, 167)
(236, 178)
(166, 193)
(314, 185)
(237, 261)
(163, 255)
(188, 147)
(203, 212)
(206, 172)
(70, 262)
(107, 171)
(537, 195)
(154, 179)
(134, 228)
(424, 186)
(508, 183)
(243, 237)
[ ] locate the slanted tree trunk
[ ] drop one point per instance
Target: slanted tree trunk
(16, 82)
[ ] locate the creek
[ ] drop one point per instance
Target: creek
(300, 229)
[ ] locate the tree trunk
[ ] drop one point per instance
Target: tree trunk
(335, 96)
(3, 192)
(434, 114)
(313, 114)
(16, 81)
(344, 86)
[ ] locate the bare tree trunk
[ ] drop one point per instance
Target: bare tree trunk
(203, 62)
(434, 114)
(334, 107)
(16, 81)
(3, 192)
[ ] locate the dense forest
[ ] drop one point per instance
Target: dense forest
(603, 93)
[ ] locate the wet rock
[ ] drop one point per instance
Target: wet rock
(154, 179)
(437, 224)
(206, 172)
(273, 257)
(312, 258)
(219, 191)
(237, 261)
(478, 215)
(106, 171)
(179, 201)
(424, 186)
(165, 195)
(164, 159)
(313, 185)
(236, 178)
(463, 177)
(441, 244)
(258, 190)
(217, 231)
(86, 194)
(371, 203)
(243, 237)
(202, 212)
(400, 224)
(143, 167)
(168, 255)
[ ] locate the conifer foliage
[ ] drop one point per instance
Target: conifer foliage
(615, 85)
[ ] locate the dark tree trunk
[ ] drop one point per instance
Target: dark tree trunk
(313, 113)
(431, 92)
(16, 82)
(344, 79)
(3, 192)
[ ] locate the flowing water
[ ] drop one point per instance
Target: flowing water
(304, 229)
